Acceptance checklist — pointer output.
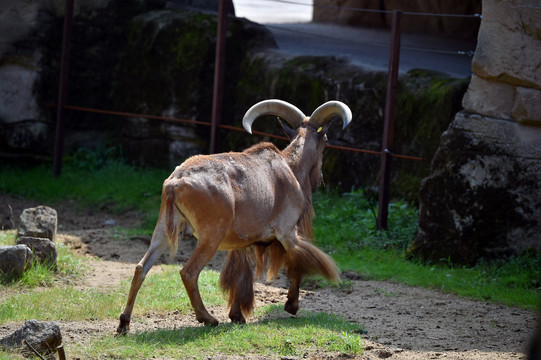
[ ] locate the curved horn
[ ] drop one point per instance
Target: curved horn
(285, 110)
(324, 113)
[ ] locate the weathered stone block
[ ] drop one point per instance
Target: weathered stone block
(506, 49)
(44, 250)
(41, 222)
(490, 98)
(15, 258)
(45, 337)
(527, 107)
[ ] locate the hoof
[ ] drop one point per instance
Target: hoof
(123, 327)
(208, 321)
(292, 307)
(212, 323)
(237, 319)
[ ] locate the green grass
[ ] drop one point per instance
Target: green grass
(275, 336)
(161, 292)
(345, 227)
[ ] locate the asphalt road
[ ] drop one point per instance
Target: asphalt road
(295, 34)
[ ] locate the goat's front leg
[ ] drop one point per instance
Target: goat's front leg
(190, 275)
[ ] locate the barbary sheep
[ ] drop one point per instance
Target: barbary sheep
(257, 204)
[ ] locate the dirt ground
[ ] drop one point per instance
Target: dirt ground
(402, 322)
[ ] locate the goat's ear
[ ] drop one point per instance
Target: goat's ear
(322, 131)
(290, 132)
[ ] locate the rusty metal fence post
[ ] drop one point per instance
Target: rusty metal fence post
(388, 127)
(218, 91)
(62, 90)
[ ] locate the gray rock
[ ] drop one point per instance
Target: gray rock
(39, 222)
(44, 249)
(483, 196)
(15, 259)
(507, 76)
(490, 98)
(45, 337)
(508, 43)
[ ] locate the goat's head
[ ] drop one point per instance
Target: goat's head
(307, 134)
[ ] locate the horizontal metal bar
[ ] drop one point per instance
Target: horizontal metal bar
(227, 127)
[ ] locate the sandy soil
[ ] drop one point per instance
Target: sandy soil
(402, 322)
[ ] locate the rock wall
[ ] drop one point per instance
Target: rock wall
(137, 56)
(340, 12)
(483, 196)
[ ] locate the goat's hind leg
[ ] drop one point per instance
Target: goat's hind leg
(190, 276)
(157, 246)
(302, 258)
(292, 303)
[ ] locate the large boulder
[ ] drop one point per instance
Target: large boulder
(136, 56)
(507, 81)
(483, 196)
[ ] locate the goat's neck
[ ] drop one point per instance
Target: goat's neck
(299, 159)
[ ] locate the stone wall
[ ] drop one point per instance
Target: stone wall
(483, 196)
(339, 12)
(138, 56)
(507, 72)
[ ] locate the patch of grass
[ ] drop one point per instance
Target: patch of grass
(91, 179)
(161, 292)
(165, 292)
(346, 228)
(276, 336)
(349, 221)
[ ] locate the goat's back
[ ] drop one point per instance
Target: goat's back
(255, 188)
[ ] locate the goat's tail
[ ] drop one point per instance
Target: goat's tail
(304, 258)
(173, 217)
(237, 280)
(271, 254)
